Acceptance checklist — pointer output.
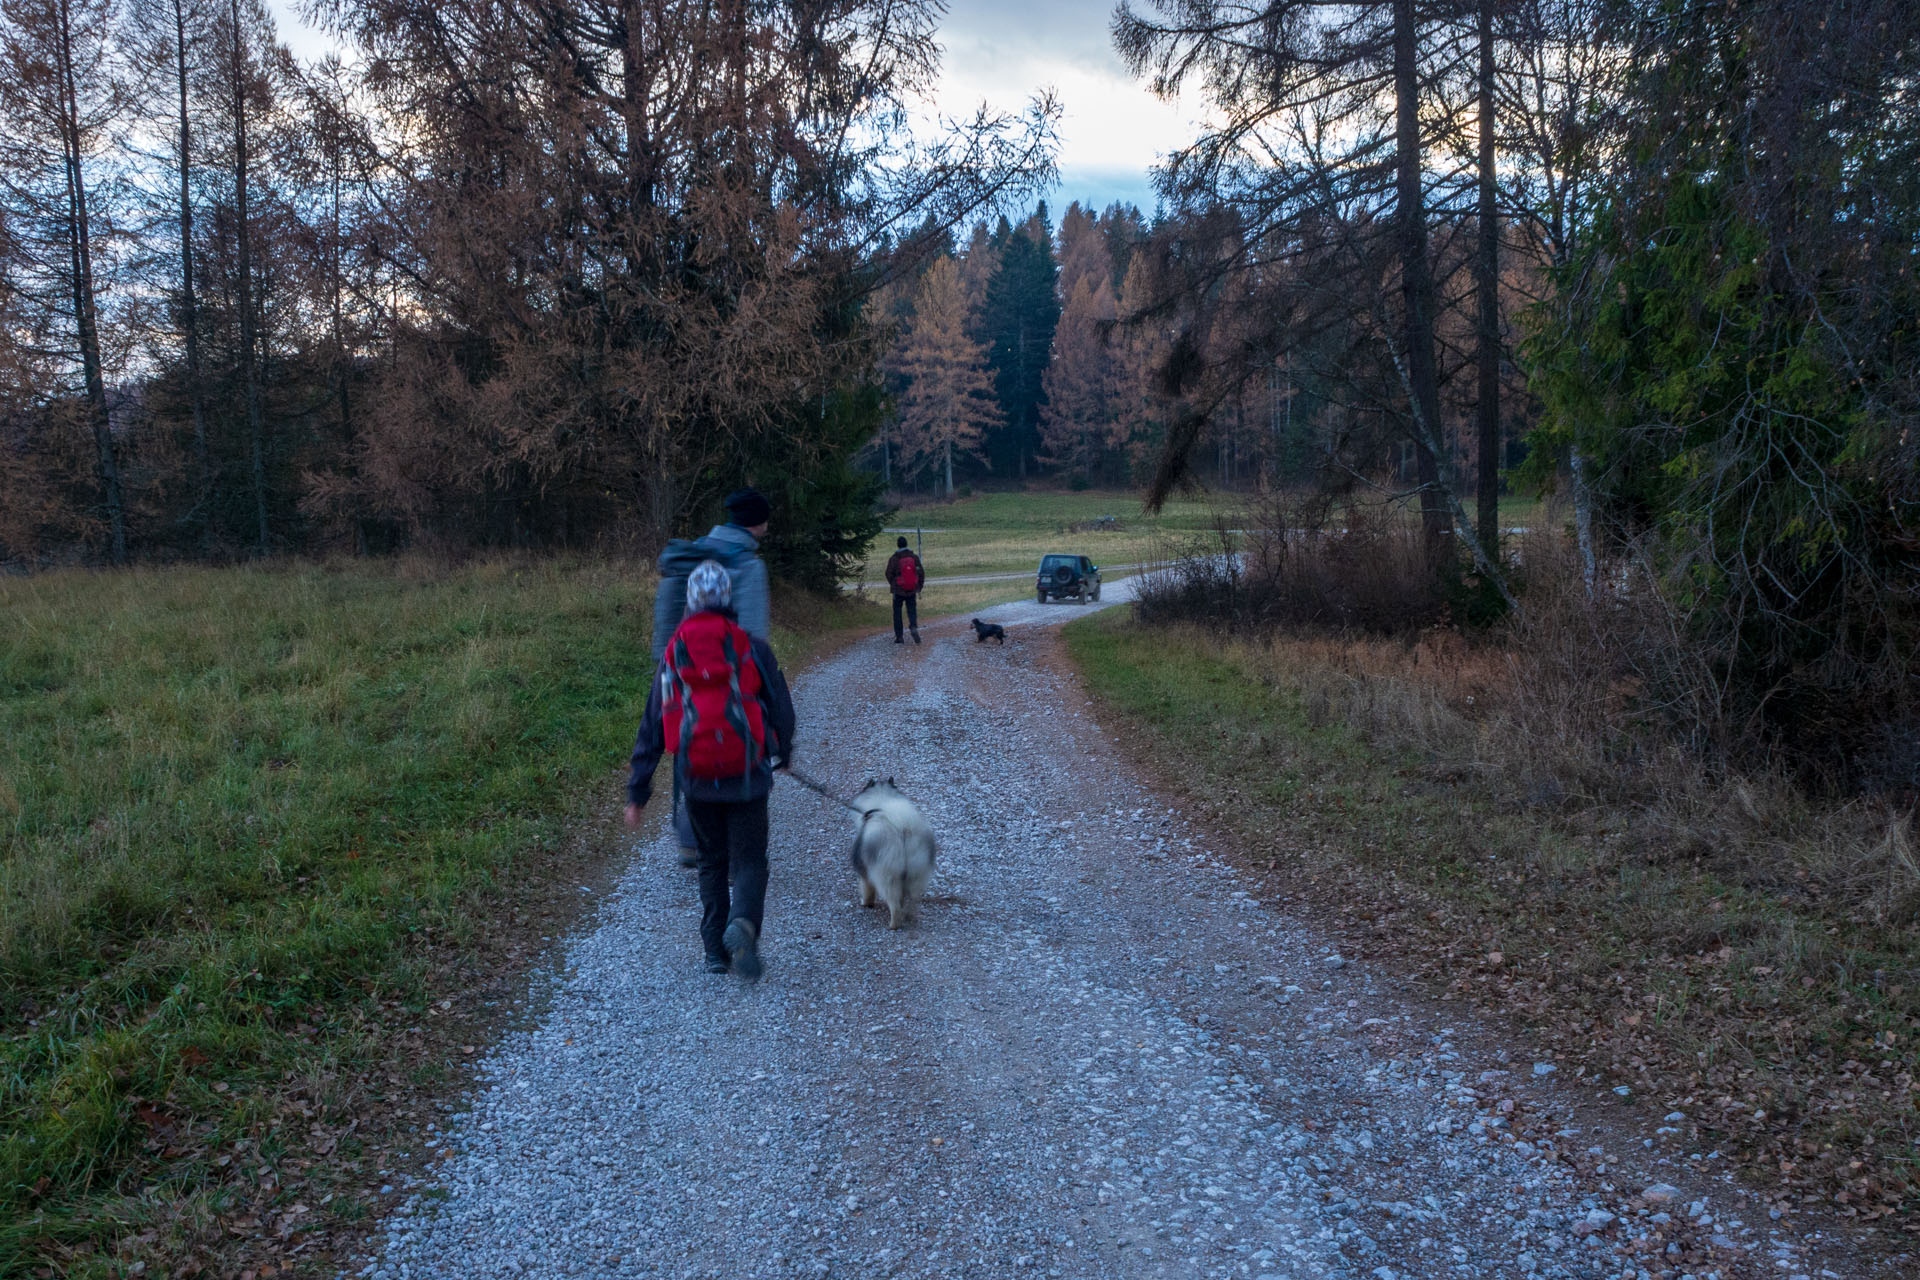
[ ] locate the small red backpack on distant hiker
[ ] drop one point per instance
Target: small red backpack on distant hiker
(907, 577)
(712, 703)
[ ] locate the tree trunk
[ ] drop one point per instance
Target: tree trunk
(341, 361)
(189, 303)
(1416, 274)
(85, 313)
(641, 174)
(949, 469)
(243, 250)
(1583, 517)
(1487, 282)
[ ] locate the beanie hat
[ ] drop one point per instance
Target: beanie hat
(708, 587)
(748, 507)
(901, 542)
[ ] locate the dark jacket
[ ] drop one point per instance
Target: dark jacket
(735, 549)
(651, 742)
(893, 571)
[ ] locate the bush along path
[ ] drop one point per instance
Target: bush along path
(1098, 1055)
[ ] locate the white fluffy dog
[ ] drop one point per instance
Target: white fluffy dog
(892, 851)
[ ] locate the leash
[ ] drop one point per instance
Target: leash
(817, 788)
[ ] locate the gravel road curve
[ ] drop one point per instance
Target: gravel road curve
(1098, 1055)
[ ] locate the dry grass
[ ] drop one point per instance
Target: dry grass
(1515, 825)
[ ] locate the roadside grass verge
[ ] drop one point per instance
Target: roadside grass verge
(1720, 947)
(246, 817)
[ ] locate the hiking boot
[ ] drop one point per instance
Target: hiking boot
(689, 857)
(916, 635)
(716, 964)
(742, 942)
(899, 640)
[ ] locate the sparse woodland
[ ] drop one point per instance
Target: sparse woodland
(1655, 259)
(529, 275)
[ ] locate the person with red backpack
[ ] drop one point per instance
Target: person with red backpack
(720, 704)
(905, 576)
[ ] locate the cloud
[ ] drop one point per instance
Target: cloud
(1112, 130)
(1003, 52)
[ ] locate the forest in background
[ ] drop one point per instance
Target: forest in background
(530, 275)
(1023, 350)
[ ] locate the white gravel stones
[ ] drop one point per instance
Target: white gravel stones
(1096, 1057)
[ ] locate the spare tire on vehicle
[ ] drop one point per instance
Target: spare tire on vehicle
(1063, 574)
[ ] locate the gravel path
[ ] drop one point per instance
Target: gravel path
(1097, 1056)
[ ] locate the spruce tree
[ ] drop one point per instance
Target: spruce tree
(1021, 314)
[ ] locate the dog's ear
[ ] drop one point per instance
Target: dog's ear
(868, 786)
(889, 781)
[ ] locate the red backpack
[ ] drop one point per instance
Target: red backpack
(712, 705)
(907, 576)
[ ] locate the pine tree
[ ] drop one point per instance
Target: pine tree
(1021, 312)
(1079, 382)
(977, 266)
(1137, 426)
(1083, 249)
(948, 407)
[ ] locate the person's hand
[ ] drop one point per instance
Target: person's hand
(633, 814)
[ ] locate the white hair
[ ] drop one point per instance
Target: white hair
(708, 587)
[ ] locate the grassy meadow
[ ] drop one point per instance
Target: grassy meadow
(239, 810)
(1007, 533)
(1719, 947)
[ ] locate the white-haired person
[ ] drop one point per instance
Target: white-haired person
(720, 704)
(735, 546)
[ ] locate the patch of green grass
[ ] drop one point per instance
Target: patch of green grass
(233, 804)
(1007, 533)
(1027, 509)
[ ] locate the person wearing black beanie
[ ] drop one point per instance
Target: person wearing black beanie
(749, 509)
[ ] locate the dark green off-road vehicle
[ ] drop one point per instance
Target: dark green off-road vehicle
(1063, 576)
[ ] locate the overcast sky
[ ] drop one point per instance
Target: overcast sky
(1003, 51)
(1113, 130)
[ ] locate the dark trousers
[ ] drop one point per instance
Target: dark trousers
(732, 839)
(913, 612)
(682, 825)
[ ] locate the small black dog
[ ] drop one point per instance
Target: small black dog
(984, 631)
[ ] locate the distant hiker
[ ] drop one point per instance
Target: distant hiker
(733, 546)
(720, 704)
(905, 576)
